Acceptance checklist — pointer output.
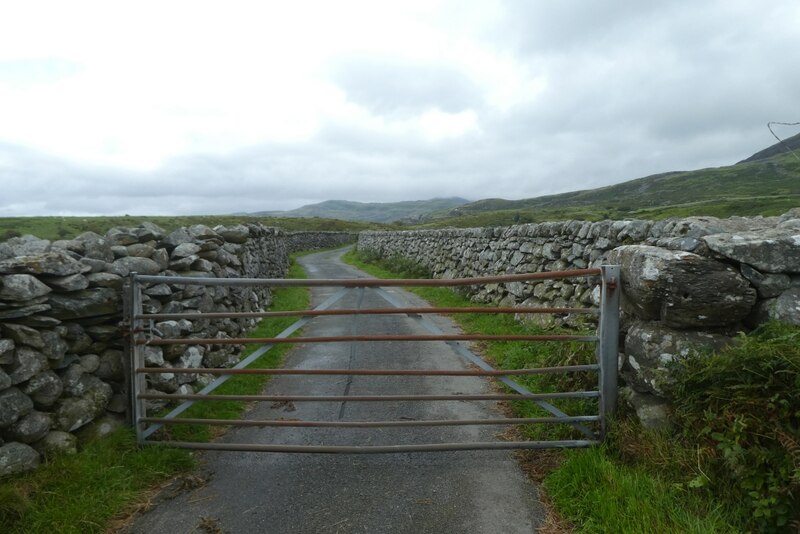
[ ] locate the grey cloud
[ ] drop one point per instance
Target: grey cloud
(390, 86)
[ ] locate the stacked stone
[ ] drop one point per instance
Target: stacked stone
(688, 284)
(297, 241)
(61, 360)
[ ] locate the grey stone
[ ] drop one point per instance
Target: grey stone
(118, 403)
(132, 264)
(25, 312)
(55, 263)
(55, 347)
(44, 389)
(110, 280)
(7, 351)
(85, 303)
(17, 458)
(55, 443)
(95, 247)
(96, 266)
(23, 335)
(73, 282)
(176, 238)
(119, 251)
(29, 428)
(233, 234)
(28, 245)
(681, 289)
(768, 285)
(161, 257)
(191, 358)
(203, 233)
(653, 412)
(148, 231)
(111, 368)
(651, 347)
(100, 428)
(27, 363)
(184, 250)
(39, 321)
(772, 250)
(89, 362)
(13, 405)
(140, 250)
(121, 237)
(5, 380)
(785, 308)
(158, 290)
(74, 412)
(103, 332)
(21, 287)
(153, 356)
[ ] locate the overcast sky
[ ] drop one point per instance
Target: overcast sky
(198, 107)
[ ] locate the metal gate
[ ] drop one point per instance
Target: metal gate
(141, 333)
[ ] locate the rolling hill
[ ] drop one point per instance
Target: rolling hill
(384, 212)
(767, 183)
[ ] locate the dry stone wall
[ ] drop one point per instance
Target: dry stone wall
(61, 360)
(687, 284)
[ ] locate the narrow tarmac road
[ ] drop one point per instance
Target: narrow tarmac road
(443, 492)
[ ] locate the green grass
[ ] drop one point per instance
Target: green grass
(83, 493)
(68, 227)
(603, 496)
(639, 483)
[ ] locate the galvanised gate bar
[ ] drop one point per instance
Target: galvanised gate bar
(141, 334)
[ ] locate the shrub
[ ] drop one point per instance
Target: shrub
(742, 407)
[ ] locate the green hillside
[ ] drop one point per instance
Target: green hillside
(767, 186)
(385, 212)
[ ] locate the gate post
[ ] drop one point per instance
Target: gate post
(136, 382)
(609, 340)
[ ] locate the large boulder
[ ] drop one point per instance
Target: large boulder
(74, 412)
(773, 250)
(27, 363)
(682, 289)
(651, 347)
(134, 264)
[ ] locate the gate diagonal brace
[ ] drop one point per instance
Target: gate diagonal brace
(297, 325)
(473, 358)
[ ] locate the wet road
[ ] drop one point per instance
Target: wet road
(442, 492)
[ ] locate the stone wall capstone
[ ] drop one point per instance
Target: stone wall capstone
(61, 359)
(687, 284)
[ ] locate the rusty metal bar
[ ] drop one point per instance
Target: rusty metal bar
(370, 398)
(380, 449)
(371, 372)
(368, 282)
(340, 339)
(370, 424)
(365, 311)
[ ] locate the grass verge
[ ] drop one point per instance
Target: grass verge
(596, 490)
(85, 492)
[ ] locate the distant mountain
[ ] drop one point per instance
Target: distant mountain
(384, 212)
(790, 144)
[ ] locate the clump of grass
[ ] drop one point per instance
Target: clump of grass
(603, 496)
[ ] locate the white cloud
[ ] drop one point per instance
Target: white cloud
(294, 101)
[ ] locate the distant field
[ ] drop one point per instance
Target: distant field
(69, 227)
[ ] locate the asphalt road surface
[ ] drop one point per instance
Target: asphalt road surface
(431, 492)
